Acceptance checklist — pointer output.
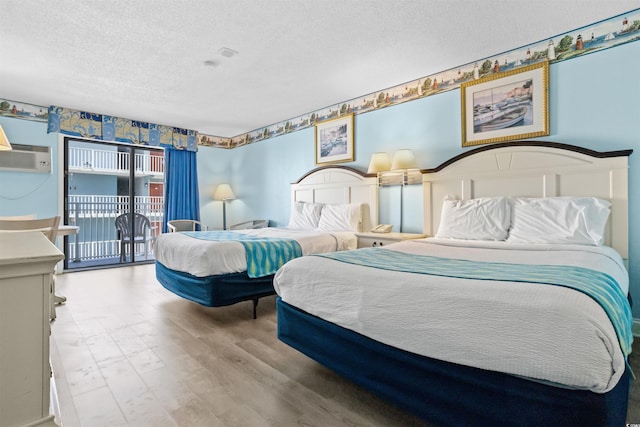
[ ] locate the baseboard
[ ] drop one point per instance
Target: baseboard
(636, 327)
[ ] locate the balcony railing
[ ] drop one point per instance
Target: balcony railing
(91, 160)
(95, 216)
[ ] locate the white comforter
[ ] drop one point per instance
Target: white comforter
(548, 333)
(203, 258)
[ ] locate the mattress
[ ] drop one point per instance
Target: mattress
(545, 333)
(203, 258)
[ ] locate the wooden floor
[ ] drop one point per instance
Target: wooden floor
(126, 352)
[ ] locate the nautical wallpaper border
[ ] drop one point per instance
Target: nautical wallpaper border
(605, 34)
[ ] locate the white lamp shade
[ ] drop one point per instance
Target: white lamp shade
(404, 159)
(379, 163)
(4, 141)
(223, 192)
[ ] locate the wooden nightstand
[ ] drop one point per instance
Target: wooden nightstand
(371, 240)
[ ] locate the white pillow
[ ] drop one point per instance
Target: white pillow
(340, 218)
(305, 216)
(572, 220)
(484, 218)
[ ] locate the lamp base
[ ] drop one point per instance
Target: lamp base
(224, 215)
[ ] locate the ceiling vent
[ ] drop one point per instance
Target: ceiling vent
(26, 158)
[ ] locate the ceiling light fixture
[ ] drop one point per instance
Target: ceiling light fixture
(223, 51)
(227, 53)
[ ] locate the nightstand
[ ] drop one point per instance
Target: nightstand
(371, 240)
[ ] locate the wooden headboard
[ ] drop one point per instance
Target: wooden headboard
(338, 185)
(533, 169)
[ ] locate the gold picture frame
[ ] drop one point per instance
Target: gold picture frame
(334, 140)
(506, 106)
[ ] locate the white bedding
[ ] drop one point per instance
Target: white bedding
(203, 258)
(548, 333)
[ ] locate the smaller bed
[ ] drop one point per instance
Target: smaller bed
(218, 268)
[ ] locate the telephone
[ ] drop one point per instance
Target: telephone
(382, 228)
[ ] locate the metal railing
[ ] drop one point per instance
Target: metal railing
(90, 160)
(97, 238)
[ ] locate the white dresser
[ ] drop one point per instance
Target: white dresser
(27, 260)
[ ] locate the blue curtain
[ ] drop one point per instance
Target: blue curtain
(181, 200)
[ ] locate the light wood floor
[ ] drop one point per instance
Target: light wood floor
(127, 352)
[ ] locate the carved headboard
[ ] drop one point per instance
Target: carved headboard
(533, 169)
(339, 185)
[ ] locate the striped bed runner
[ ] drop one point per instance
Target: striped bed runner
(265, 255)
(597, 285)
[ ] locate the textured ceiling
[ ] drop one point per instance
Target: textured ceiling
(161, 61)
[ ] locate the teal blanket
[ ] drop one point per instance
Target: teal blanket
(265, 255)
(599, 286)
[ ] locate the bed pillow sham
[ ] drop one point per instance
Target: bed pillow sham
(484, 218)
(305, 216)
(571, 220)
(345, 217)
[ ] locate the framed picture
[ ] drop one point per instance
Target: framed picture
(334, 140)
(506, 106)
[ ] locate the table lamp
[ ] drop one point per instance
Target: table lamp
(4, 141)
(223, 192)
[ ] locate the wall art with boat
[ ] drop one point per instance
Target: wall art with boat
(506, 106)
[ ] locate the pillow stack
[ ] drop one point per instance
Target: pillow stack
(321, 217)
(572, 220)
(305, 216)
(569, 220)
(485, 218)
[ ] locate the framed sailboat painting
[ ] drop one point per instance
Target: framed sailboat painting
(507, 105)
(334, 140)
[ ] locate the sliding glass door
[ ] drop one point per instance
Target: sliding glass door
(114, 194)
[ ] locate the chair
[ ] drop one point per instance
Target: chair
(142, 233)
(49, 226)
(184, 225)
(13, 218)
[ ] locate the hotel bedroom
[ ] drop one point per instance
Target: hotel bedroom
(126, 350)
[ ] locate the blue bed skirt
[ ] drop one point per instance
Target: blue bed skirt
(215, 291)
(445, 393)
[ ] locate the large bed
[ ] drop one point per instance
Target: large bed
(217, 268)
(500, 319)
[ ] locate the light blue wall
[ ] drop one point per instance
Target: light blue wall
(24, 193)
(594, 103)
(264, 170)
(86, 183)
(259, 175)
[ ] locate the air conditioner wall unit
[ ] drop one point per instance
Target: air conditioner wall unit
(26, 158)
